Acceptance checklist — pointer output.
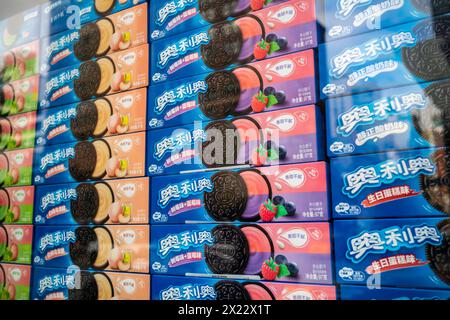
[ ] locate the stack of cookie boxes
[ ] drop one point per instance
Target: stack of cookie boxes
(19, 81)
(239, 199)
(390, 166)
(91, 240)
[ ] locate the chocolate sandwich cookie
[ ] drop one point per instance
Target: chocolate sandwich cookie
(104, 111)
(88, 82)
(215, 11)
(228, 199)
(258, 190)
(85, 249)
(222, 134)
(104, 7)
(105, 245)
(429, 58)
(83, 164)
(104, 285)
(436, 187)
(106, 199)
(439, 256)
(103, 154)
(434, 7)
(85, 287)
(222, 96)
(230, 252)
(249, 73)
(258, 291)
(87, 45)
(433, 122)
(84, 208)
(106, 28)
(224, 47)
(230, 290)
(107, 70)
(85, 121)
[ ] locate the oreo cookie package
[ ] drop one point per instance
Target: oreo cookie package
(395, 184)
(122, 201)
(290, 252)
(17, 205)
(182, 288)
(15, 282)
(286, 28)
(269, 85)
(288, 193)
(117, 32)
(172, 17)
(62, 15)
(349, 292)
(408, 253)
(20, 62)
(348, 18)
(288, 136)
(117, 248)
(106, 158)
(73, 284)
(411, 117)
(401, 55)
(16, 243)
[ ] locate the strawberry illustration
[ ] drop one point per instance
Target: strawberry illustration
(270, 270)
(268, 211)
(259, 102)
(257, 4)
(261, 50)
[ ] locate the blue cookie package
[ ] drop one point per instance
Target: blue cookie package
(401, 55)
(391, 185)
(410, 117)
(345, 18)
(409, 253)
(386, 293)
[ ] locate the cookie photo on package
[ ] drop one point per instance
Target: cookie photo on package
(287, 252)
(103, 202)
(93, 119)
(279, 137)
(117, 248)
(409, 253)
(275, 84)
(168, 18)
(15, 244)
(106, 158)
(403, 184)
(120, 31)
(18, 132)
(16, 168)
(15, 282)
(181, 288)
(19, 96)
(20, 63)
(411, 117)
(401, 55)
(88, 285)
(286, 193)
(16, 205)
(278, 30)
(115, 73)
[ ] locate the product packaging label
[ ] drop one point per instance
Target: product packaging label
(19, 96)
(16, 205)
(18, 132)
(16, 168)
(15, 243)
(20, 29)
(15, 281)
(20, 63)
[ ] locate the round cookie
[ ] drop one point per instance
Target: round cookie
(230, 290)
(439, 256)
(87, 45)
(88, 289)
(433, 122)
(228, 199)
(105, 245)
(433, 28)
(104, 7)
(82, 166)
(224, 45)
(88, 83)
(229, 153)
(104, 285)
(436, 187)
(104, 111)
(215, 11)
(85, 121)
(106, 28)
(85, 207)
(103, 154)
(434, 7)
(106, 199)
(107, 70)
(230, 252)
(222, 95)
(84, 250)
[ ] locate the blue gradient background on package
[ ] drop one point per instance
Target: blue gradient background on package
(385, 293)
(382, 185)
(371, 61)
(348, 18)
(378, 121)
(61, 15)
(396, 245)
